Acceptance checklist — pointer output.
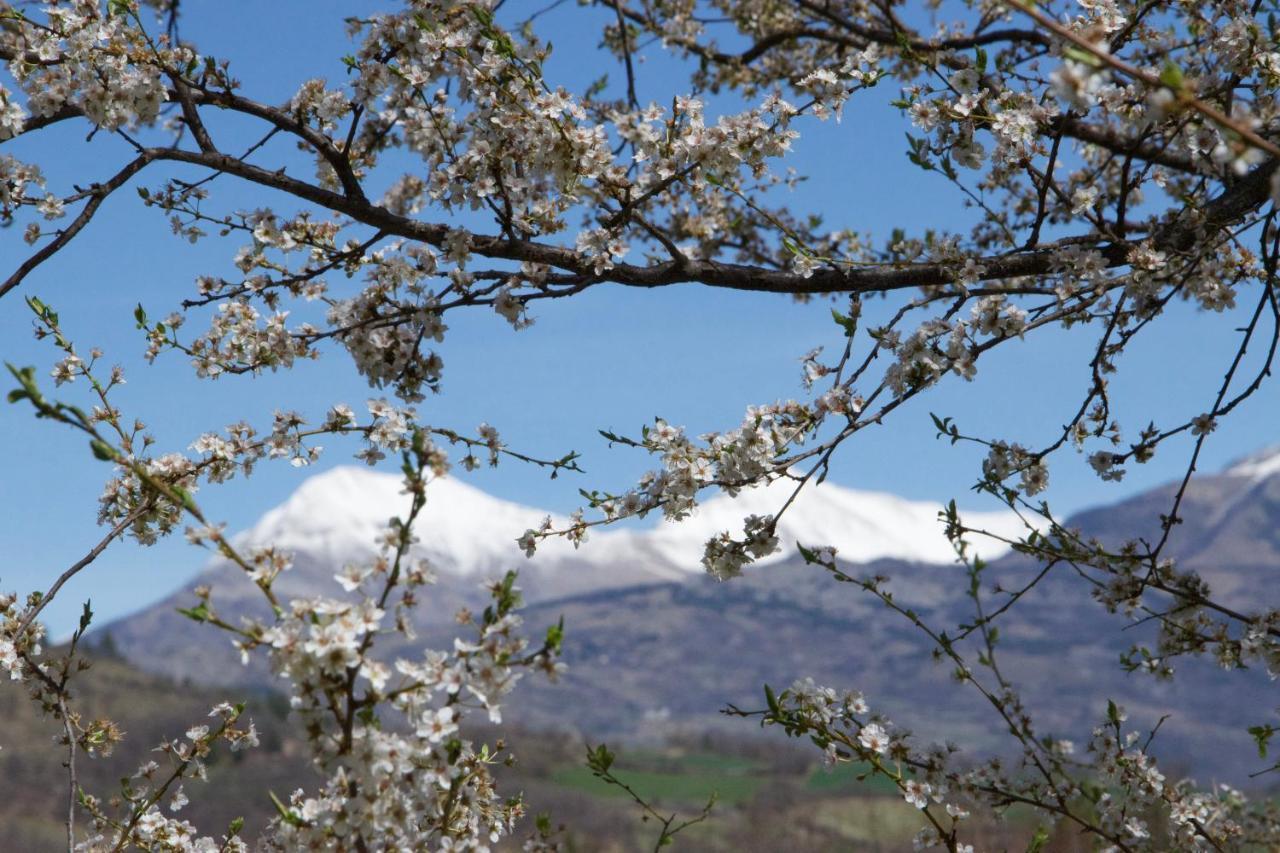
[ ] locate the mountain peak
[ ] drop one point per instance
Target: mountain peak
(1256, 466)
(340, 515)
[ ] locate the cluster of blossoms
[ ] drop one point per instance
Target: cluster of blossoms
(927, 354)
(1125, 584)
(405, 773)
(1130, 802)
(1125, 800)
(724, 556)
(390, 429)
(20, 184)
(842, 723)
(1004, 460)
(130, 496)
(16, 651)
(239, 338)
(831, 88)
(385, 736)
(757, 451)
(976, 98)
(12, 116)
(137, 818)
(1137, 794)
(501, 141)
(503, 114)
(100, 64)
(732, 460)
(391, 328)
(1133, 578)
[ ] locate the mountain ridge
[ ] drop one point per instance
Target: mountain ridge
(653, 644)
(470, 531)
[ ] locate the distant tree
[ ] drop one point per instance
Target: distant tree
(1117, 156)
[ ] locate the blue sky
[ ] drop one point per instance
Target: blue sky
(611, 358)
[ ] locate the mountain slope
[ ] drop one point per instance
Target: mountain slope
(468, 536)
(1229, 528)
(671, 656)
(654, 645)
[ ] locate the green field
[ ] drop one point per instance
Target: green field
(843, 779)
(694, 777)
(687, 779)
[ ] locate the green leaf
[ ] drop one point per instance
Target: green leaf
(1171, 75)
(484, 16)
(847, 323)
(1082, 56)
(555, 636)
(1039, 840)
(771, 699)
(86, 616)
(600, 759)
(904, 44)
(26, 377)
(199, 613)
(102, 451)
(184, 497)
(286, 814)
(1262, 736)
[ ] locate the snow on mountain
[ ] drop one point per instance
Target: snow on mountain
(337, 517)
(1257, 466)
(863, 526)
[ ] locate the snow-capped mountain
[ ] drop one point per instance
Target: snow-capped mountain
(1256, 466)
(650, 636)
(338, 516)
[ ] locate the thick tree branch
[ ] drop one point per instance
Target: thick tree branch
(858, 37)
(1113, 140)
(97, 195)
(1246, 195)
(287, 122)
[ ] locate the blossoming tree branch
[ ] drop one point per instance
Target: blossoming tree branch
(1117, 156)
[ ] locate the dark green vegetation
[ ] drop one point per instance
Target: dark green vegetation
(770, 793)
(33, 781)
